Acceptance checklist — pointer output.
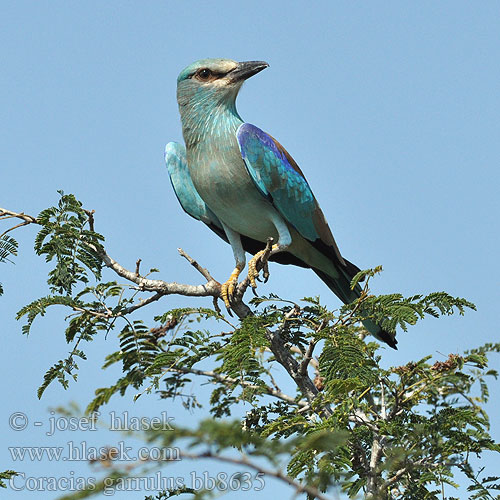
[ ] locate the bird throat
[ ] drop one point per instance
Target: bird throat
(209, 118)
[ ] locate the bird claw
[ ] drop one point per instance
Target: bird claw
(253, 274)
(252, 268)
(227, 289)
(265, 272)
(216, 306)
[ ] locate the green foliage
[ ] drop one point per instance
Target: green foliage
(165, 494)
(39, 308)
(65, 238)
(8, 247)
(343, 358)
(393, 310)
(6, 474)
(427, 416)
(341, 422)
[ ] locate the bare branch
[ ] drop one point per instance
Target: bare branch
(8, 214)
(25, 223)
(204, 272)
(210, 289)
(299, 488)
(229, 380)
(137, 267)
(308, 357)
(27, 218)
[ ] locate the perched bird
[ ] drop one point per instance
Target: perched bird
(193, 205)
(245, 186)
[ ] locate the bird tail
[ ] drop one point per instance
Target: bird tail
(341, 287)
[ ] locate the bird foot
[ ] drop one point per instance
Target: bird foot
(265, 272)
(253, 274)
(227, 288)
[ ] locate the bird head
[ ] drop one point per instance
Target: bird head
(214, 82)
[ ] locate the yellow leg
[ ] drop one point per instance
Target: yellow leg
(227, 289)
(252, 266)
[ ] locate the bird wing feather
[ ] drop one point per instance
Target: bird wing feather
(279, 179)
(186, 193)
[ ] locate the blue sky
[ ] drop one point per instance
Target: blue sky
(390, 108)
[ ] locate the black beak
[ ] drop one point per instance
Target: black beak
(247, 69)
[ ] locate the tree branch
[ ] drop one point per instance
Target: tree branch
(229, 380)
(204, 272)
(299, 488)
(372, 483)
(308, 357)
(6, 214)
(210, 289)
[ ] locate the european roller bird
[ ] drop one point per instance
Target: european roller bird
(244, 185)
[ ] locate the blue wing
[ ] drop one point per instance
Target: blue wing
(190, 200)
(281, 181)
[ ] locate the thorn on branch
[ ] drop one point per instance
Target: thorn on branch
(137, 266)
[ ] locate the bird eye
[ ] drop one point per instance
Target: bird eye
(204, 74)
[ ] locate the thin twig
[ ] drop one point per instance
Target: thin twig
(230, 380)
(25, 223)
(142, 303)
(312, 491)
(204, 272)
